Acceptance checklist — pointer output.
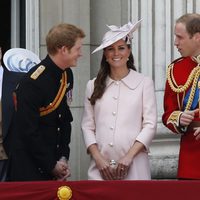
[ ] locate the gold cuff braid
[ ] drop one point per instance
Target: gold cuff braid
(174, 118)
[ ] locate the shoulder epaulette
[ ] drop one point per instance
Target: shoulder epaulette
(37, 72)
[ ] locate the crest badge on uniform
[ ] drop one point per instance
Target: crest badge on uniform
(69, 96)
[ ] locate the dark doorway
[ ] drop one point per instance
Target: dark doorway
(5, 21)
(22, 23)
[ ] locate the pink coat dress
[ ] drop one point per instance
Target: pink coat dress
(125, 113)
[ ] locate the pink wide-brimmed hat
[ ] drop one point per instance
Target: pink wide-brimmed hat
(117, 33)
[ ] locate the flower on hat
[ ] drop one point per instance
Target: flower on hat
(124, 28)
(116, 33)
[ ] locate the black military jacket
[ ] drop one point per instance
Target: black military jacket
(10, 81)
(40, 141)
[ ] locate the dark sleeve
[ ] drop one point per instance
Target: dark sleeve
(29, 99)
(10, 80)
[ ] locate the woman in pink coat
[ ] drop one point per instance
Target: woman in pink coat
(119, 120)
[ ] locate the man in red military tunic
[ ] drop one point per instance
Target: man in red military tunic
(181, 98)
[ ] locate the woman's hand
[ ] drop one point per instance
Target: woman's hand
(125, 162)
(123, 167)
(102, 164)
(106, 171)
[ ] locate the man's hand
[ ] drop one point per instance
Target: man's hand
(197, 133)
(61, 170)
(187, 117)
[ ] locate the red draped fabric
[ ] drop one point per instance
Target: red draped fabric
(102, 190)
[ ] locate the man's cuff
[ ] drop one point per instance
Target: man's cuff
(174, 119)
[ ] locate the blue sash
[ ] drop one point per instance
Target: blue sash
(195, 100)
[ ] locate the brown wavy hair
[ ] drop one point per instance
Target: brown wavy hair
(104, 71)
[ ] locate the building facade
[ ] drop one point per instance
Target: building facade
(152, 48)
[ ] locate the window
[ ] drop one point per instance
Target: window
(19, 21)
(5, 19)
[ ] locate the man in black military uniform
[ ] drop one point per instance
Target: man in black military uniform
(40, 149)
(14, 66)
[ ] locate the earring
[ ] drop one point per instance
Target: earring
(127, 59)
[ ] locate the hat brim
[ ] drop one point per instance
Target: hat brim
(21, 52)
(117, 36)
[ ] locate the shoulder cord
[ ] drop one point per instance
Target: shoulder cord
(56, 102)
(194, 76)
